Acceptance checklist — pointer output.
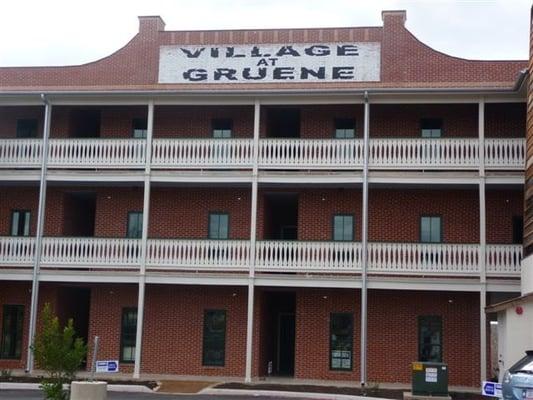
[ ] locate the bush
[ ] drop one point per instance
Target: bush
(59, 353)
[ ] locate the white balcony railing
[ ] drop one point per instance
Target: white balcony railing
(96, 153)
(297, 256)
(271, 256)
(311, 153)
(20, 153)
(505, 153)
(225, 255)
(424, 153)
(453, 153)
(202, 153)
(422, 258)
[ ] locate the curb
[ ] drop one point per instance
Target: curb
(285, 394)
(110, 387)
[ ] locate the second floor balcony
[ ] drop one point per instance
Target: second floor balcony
(272, 256)
(273, 153)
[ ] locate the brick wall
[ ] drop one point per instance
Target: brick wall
(394, 215)
(9, 116)
(392, 325)
(19, 293)
(173, 330)
(317, 121)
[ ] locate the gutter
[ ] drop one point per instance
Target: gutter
(333, 92)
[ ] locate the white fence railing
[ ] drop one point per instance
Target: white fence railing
(228, 255)
(311, 153)
(202, 153)
(505, 153)
(386, 153)
(296, 256)
(21, 153)
(424, 259)
(96, 153)
(271, 256)
(423, 153)
(91, 252)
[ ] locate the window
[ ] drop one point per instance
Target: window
(222, 128)
(430, 338)
(20, 223)
(518, 229)
(430, 229)
(341, 341)
(214, 344)
(431, 127)
(343, 228)
(26, 128)
(128, 334)
(135, 225)
(139, 128)
(11, 346)
(218, 226)
(344, 128)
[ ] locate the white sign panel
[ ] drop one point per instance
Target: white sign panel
(270, 63)
(492, 389)
(106, 366)
(431, 375)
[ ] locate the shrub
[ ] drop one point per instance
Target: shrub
(59, 353)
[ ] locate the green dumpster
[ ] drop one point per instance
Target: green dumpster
(429, 378)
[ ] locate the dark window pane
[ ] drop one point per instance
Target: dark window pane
(135, 224)
(430, 230)
(11, 345)
(128, 334)
(218, 226)
(26, 128)
(214, 342)
(431, 127)
(430, 338)
(222, 128)
(343, 228)
(139, 128)
(20, 223)
(518, 229)
(344, 128)
(341, 341)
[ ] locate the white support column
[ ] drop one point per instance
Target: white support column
(253, 234)
(482, 244)
(144, 242)
(39, 235)
(364, 240)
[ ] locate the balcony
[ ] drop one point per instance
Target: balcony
(172, 255)
(393, 154)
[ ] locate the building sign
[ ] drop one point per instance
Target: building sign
(270, 63)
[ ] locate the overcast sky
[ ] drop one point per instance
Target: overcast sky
(62, 32)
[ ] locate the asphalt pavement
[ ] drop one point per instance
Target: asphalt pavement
(37, 395)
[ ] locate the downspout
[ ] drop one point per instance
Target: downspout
(39, 235)
(364, 240)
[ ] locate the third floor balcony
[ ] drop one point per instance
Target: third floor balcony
(423, 137)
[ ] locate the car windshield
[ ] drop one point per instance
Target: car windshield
(524, 365)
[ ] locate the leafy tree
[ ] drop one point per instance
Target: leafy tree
(59, 353)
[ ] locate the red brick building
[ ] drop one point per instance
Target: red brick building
(313, 203)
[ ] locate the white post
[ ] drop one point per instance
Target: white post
(253, 234)
(364, 240)
(144, 242)
(39, 235)
(482, 244)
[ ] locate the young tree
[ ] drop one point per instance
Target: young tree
(59, 353)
